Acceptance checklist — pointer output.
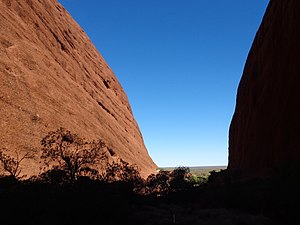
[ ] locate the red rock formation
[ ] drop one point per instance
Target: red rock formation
(265, 129)
(51, 76)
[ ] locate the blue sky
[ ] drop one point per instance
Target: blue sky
(180, 62)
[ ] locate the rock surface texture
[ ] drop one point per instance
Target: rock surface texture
(52, 76)
(265, 129)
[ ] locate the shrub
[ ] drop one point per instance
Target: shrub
(121, 171)
(158, 184)
(165, 182)
(12, 165)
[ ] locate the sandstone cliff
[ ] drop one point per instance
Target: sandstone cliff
(264, 132)
(52, 76)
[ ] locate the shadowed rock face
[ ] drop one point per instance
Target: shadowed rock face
(51, 76)
(265, 129)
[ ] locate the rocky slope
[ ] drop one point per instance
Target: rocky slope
(51, 76)
(264, 133)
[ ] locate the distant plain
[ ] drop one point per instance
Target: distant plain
(200, 171)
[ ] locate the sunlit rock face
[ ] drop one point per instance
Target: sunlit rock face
(51, 76)
(265, 129)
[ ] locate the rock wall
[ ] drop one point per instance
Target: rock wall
(265, 129)
(51, 76)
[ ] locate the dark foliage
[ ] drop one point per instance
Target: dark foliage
(88, 201)
(180, 179)
(12, 165)
(121, 171)
(71, 191)
(70, 155)
(158, 184)
(165, 182)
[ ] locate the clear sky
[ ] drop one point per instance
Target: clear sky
(180, 62)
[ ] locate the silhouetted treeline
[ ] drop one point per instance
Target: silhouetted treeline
(67, 158)
(71, 189)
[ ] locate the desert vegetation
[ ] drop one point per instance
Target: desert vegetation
(67, 158)
(71, 189)
(11, 165)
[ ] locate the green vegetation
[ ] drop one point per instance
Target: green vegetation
(71, 190)
(198, 171)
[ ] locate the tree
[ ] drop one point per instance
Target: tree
(180, 178)
(158, 184)
(67, 152)
(164, 181)
(12, 165)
